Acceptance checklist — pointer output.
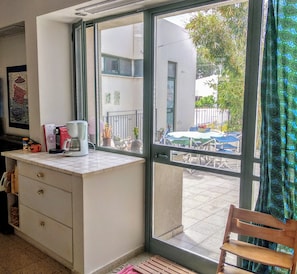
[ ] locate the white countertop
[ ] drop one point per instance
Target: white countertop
(94, 162)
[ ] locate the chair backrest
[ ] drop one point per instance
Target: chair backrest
(260, 226)
(226, 143)
(163, 139)
(226, 139)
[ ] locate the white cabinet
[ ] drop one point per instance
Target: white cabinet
(46, 231)
(45, 198)
(86, 212)
(45, 210)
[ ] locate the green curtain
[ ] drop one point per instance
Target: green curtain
(277, 194)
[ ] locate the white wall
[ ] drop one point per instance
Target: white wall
(55, 79)
(130, 89)
(118, 41)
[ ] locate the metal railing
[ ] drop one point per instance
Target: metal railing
(124, 122)
(214, 116)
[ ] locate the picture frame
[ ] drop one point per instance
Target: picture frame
(18, 111)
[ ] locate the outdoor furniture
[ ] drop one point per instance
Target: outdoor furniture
(200, 129)
(190, 138)
(193, 128)
(163, 139)
(197, 140)
(211, 141)
(226, 143)
(257, 225)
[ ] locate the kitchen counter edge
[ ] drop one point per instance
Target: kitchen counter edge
(93, 163)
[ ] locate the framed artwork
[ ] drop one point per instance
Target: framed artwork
(18, 111)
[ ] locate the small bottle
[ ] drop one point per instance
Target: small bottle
(25, 143)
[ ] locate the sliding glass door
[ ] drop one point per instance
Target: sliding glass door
(200, 154)
(183, 80)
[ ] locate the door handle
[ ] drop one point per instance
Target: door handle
(161, 156)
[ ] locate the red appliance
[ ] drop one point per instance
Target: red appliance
(61, 136)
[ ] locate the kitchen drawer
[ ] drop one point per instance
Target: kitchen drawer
(45, 175)
(49, 233)
(46, 199)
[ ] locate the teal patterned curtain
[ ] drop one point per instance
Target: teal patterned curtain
(279, 112)
(277, 195)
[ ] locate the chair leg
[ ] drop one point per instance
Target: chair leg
(221, 263)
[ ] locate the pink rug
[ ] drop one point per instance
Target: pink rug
(128, 270)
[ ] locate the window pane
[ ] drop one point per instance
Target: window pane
(191, 208)
(111, 65)
(91, 95)
(200, 61)
(198, 55)
(138, 68)
(171, 69)
(119, 95)
(125, 67)
(79, 73)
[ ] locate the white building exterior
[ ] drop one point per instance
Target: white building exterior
(175, 45)
(125, 93)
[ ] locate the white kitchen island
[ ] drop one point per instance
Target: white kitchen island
(86, 212)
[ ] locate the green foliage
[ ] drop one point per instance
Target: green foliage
(219, 35)
(230, 97)
(136, 132)
(207, 102)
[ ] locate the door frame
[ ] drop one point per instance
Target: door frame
(153, 245)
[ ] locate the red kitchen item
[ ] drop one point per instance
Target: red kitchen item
(63, 134)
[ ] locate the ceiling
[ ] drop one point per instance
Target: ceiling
(93, 9)
(90, 10)
(101, 8)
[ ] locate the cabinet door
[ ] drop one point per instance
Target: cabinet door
(51, 234)
(48, 200)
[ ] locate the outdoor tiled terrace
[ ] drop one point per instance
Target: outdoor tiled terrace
(206, 201)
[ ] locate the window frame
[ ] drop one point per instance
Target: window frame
(247, 178)
(150, 149)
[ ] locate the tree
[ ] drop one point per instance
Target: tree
(206, 101)
(204, 67)
(219, 35)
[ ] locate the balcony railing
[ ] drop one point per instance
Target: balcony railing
(124, 122)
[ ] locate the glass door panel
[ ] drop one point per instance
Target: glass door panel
(191, 207)
(200, 61)
(199, 89)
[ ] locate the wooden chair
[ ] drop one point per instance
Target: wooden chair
(262, 226)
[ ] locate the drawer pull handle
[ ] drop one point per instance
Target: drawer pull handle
(40, 191)
(42, 223)
(40, 175)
